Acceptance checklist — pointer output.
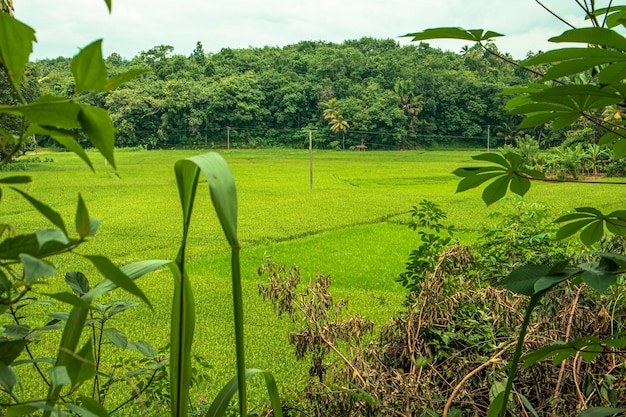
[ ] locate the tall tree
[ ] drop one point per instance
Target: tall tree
(410, 103)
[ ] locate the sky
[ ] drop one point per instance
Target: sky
(64, 26)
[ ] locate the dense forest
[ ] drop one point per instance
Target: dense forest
(371, 92)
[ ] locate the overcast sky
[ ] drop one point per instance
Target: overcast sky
(63, 26)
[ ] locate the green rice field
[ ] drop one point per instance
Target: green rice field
(352, 225)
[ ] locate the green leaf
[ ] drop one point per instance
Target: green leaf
(8, 378)
(59, 376)
(117, 276)
(592, 233)
(594, 35)
(115, 81)
(220, 403)
(47, 212)
(48, 236)
(83, 225)
(35, 268)
(81, 367)
(550, 280)
(16, 45)
(93, 406)
(98, 127)
(476, 180)
(48, 111)
(16, 179)
(520, 185)
(475, 35)
(598, 279)
(182, 328)
(601, 412)
(492, 157)
(496, 190)
(64, 137)
(571, 228)
(497, 404)
(68, 298)
(78, 282)
(89, 69)
(522, 280)
(528, 406)
(10, 350)
(133, 271)
(544, 353)
(117, 337)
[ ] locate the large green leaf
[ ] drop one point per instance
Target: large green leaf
(181, 329)
(496, 190)
(475, 35)
(35, 268)
(89, 69)
(16, 44)
(83, 224)
(48, 110)
(133, 271)
(98, 127)
(522, 280)
(65, 137)
(594, 36)
(116, 275)
(81, 367)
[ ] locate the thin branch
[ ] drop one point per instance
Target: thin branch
(556, 15)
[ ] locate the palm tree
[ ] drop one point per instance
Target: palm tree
(410, 103)
(339, 124)
(7, 6)
(335, 118)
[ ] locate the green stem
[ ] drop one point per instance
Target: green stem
(238, 310)
(518, 350)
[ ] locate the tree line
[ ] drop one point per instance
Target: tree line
(371, 92)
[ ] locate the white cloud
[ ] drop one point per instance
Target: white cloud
(137, 25)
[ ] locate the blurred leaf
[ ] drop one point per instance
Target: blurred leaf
(8, 378)
(68, 298)
(16, 179)
(117, 337)
(89, 69)
(83, 225)
(522, 280)
(48, 111)
(220, 403)
(78, 282)
(93, 406)
(59, 376)
(47, 236)
(601, 412)
(48, 213)
(98, 127)
(81, 367)
(120, 79)
(10, 350)
(64, 137)
(133, 271)
(117, 276)
(35, 268)
(16, 45)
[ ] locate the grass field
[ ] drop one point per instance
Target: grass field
(352, 225)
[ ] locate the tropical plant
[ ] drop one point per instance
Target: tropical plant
(555, 100)
(25, 258)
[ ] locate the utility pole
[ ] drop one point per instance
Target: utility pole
(228, 136)
(488, 126)
(311, 156)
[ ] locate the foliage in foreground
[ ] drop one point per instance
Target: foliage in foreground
(75, 382)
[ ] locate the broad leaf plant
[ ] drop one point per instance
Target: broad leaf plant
(25, 257)
(579, 83)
